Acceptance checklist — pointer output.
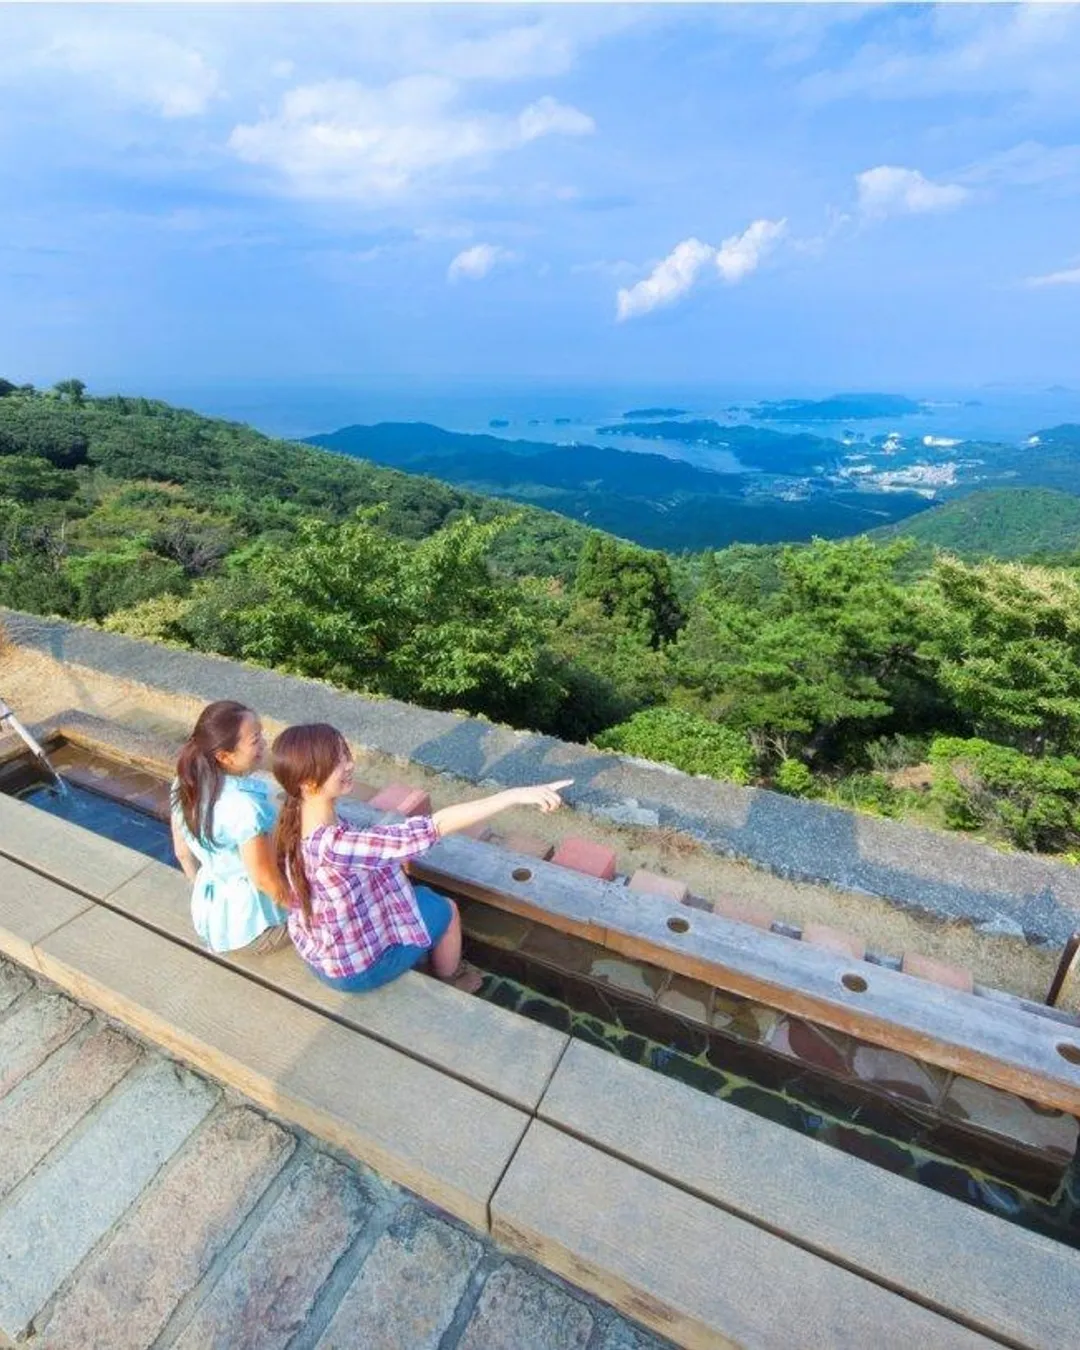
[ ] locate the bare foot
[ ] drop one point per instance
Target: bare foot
(466, 978)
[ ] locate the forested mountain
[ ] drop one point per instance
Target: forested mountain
(949, 691)
(653, 499)
(1014, 522)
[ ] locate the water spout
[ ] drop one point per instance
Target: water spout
(8, 717)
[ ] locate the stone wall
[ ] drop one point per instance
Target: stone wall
(945, 876)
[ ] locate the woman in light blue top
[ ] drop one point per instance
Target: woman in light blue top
(222, 818)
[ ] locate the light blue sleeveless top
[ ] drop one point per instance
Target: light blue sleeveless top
(226, 909)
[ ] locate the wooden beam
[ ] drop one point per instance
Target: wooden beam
(690, 1270)
(439, 1137)
(973, 1267)
(1012, 1049)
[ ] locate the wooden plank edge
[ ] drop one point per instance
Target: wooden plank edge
(992, 1306)
(811, 986)
(576, 1254)
(261, 1089)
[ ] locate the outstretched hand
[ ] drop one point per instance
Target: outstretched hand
(544, 795)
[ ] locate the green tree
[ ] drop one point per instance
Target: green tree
(1004, 640)
(691, 743)
(633, 585)
(70, 389)
(27, 479)
(611, 671)
(427, 622)
(1030, 802)
(834, 644)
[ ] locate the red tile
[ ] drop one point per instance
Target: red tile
(925, 968)
(743, 912)
(528, 844)
(582, 855)
(405, 800)
(671, 888)
(834, 940)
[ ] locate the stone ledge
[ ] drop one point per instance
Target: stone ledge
(353, 1092)
(912, 868)
(631, 1247)
(688, 1269)
(1011, 1284)
(473, 1041)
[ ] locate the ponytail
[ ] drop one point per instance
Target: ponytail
(288, 848)
(199, 775)
(303, 756)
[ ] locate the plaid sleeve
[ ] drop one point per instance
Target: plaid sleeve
(378, 844)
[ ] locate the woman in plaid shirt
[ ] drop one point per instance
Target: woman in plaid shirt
(357, 921)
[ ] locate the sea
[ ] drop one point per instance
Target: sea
(572, 414)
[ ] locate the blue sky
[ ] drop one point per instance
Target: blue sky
(796, 196)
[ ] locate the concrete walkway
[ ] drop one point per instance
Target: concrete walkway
(143, 1206)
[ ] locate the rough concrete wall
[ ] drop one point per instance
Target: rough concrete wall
(942, 875)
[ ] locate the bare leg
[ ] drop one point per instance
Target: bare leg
(446, 962)
(446, 954)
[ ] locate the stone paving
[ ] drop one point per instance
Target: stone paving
(923, 871)
(143, 1206)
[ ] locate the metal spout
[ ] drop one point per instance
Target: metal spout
(7, 716)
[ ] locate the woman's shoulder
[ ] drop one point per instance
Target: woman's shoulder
(244, 804)
(319, 841)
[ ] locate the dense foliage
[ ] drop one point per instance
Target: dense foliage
(1014, 522)
(873, 674)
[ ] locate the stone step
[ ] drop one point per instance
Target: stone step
(127, 1290)
(50, 1224)
(432, 1133)
(625, 1235)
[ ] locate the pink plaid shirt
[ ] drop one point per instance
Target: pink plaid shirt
(361, 901)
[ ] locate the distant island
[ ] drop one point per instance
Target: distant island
(498, 422)
(643, 414)
(839, 408)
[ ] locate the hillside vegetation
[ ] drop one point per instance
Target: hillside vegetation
(951, 693)
(1014, 522)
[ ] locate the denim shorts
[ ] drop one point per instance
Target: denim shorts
(435, 911)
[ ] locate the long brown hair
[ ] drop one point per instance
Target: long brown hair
(199, 776)
(305, 754)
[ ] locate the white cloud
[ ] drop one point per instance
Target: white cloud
(677, 274)
(892, 191)
(473, 264)
(738, 256)
(527, 51)
(603, 267)
(1029, 164)
(549, 117)
(1067, 278)
(1025, 54)
(668, 281)
(139, 67)
(341, 139)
